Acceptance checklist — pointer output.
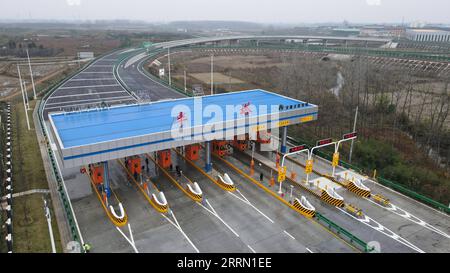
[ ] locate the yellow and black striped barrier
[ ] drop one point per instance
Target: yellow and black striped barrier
(217, 181)
(195, 197)
(225, 185)
(187, 191)
(325, 196)
(351, 186)
(155, 204)
(303, 210)
(381, 200)
(119, 222)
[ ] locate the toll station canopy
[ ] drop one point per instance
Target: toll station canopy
(96, 135)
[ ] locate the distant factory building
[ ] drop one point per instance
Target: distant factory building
(428, 35)
(382, 31)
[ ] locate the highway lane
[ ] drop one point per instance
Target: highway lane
(357, 228)
(414, 231)
(132, 76)
(353, 199)
(94, 86)
(157, 91)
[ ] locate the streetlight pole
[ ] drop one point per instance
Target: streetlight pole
(185, 81)
(49, 223)
(168, 56)
(26, 94)
(31, 75)
(354, 130)
(23, 96)
(212, 74)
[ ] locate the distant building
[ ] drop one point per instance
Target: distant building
(382, 31)
(428, 35)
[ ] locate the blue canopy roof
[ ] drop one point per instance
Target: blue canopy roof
(94, 126)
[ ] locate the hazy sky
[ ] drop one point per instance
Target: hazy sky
(268, 11)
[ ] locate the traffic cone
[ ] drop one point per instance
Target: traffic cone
(293, 175)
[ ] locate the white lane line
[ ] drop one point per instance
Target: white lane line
(70, 102)
(62, 107)
(90, 86)
(88, 94)
(213, 212)
(95, 72)
(93, 79)
(177, 226)
(309, 250)
(407, 197)
(366, 220)
(131, 242)
(394, 209)
(288, 234)
(251, 249)
(250, 204)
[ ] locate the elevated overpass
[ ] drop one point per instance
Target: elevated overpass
(305, 38)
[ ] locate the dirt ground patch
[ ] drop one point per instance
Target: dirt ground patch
(219, 78)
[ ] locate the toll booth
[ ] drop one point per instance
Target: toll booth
(240, 144)
(220, 147)
(263, 136)
(134, 165)
(96, 172)
(164, 158)
(192, 152)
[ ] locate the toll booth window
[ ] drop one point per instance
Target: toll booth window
(194, 152)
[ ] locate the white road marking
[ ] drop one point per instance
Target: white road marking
(93, 79)
(409, 198)
(177, 226)
(288, 234)
(250, 204)
(95, 72)
(60, 103)
(251, 249)
(309, 250)
(88, 94)
(129, 240)
(91, 103)
(90, 86)
(394, 209)
(366, 220)
(213, 212)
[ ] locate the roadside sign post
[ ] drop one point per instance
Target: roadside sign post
(309, 162)
(293, 150)
(281, 176)
(345, 137)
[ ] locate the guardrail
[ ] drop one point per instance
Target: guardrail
(380, 179)
(8, 187)
(162, 81)
(71, 221)
(390, 53)
(344, 233)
